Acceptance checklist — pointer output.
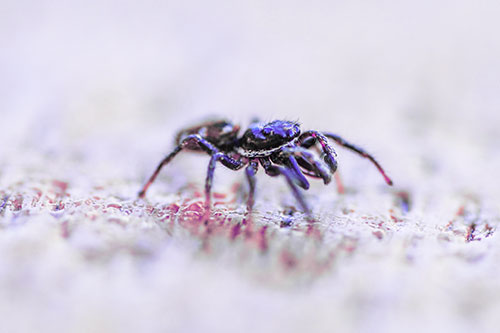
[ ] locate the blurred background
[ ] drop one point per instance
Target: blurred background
(129, 74)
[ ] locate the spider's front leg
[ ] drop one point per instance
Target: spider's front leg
(311, 165)
(359, 151)
(276, 170)
(309, 138)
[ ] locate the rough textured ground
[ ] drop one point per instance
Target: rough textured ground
(92, 94)
(84, 254)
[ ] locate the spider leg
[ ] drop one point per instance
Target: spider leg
(208, 148)
(321, 172)
(308, 142)
(313, 166)
(250, 171)
(294, 166)
(330, 154)
(276, 170)
(164, 162)
(226, 161)
(360, 151)
(286, 157)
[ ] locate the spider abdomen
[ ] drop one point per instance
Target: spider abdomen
(220, 133)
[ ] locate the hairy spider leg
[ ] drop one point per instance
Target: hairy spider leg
(330, 154)
(227, 161)
(360, 151)
(313, 166)
(287, 159)
(275, 170)
(251, 171)
(164, 162)
(308, 142)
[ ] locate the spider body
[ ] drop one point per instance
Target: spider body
(262, 140)
(278, 146)
(219, 133)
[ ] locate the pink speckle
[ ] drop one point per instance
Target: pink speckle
(174, 208)
(460, 211)
(150, 209)
(288, 260)
(59, 206)
(314, 232)
(38, 192)
(116, 220)
(17, 203)
(219, 195)
(65, 229)
(113, 205)
(393, 217)
(470, 236)
(235, 231)
(60, 186)
(198, 207)
(489, 230)
(262, 239)
(349, 245)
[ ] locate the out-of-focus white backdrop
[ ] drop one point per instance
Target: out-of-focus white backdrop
(70, 70)
(424, 73)
(106, 84)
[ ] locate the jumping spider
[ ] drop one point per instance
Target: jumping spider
(278, 146)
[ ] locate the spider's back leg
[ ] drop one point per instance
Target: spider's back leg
(204, 145)
(164, 162)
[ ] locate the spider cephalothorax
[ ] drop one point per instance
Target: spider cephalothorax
(260, 140)
(278, 146)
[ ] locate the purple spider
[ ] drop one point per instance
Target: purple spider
(279, 147)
